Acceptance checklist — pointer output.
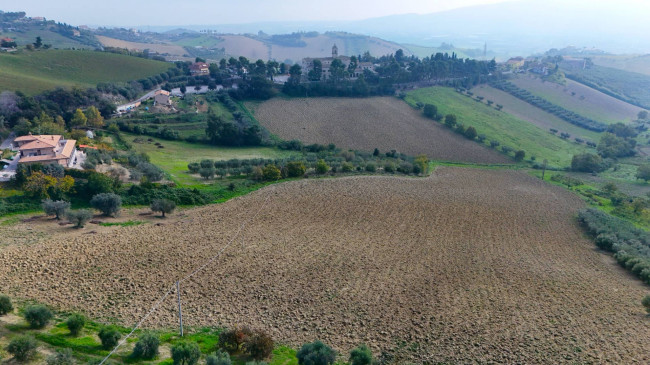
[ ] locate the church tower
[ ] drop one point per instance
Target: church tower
(335, 51)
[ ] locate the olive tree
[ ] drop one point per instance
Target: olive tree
(163, 206)
(107, 203)
(56, 208)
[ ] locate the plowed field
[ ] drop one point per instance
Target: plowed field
(365, 124)
(469, 265)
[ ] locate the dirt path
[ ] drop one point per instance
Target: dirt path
(469, 265)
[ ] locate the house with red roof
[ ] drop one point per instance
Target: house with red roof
(45, 149)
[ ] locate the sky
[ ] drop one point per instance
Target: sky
(208, 12)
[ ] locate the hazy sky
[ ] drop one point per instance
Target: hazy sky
(187, 12)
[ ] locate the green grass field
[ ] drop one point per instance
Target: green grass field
(533, 114)
(499, 125)
(205, 41)
(175, 156)
(37, 71)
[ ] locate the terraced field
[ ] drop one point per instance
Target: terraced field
(365, 124)
(467, 266)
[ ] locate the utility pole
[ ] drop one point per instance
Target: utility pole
(180, 311)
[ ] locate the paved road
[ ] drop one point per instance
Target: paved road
(146, 96)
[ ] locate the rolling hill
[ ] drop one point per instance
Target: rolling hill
(34, 72)
(580, 99)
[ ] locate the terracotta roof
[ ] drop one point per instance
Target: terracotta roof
(38, 144)
(47, 138)
(161, 92)
(41, 158)
(68, 148)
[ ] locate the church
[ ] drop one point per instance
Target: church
(308, 65)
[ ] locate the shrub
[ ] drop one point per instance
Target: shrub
(207, 163)
(5, 305)
(55, 208)
(271, 173)
(430, 111)
(506, 149)
(470, 133)
(75, 323)
(371, 167)
(316, 353)
(450, 120)
(194, 167)
(207, 172)
(259, 345)
(220, 358)
(79, 217)
(163, 206)
(295, 169)
(587, 162)
(22, 347)
(150, 171)
(361, 356)
(38, 316)
(321, 167)
(646, 303)
(107, 203)
(61, 357)
(185, 353)
(389, 167)
(643, 172)
(146, 347)
(519, 155)
(495, 144)
(233, 340)
(109, 335)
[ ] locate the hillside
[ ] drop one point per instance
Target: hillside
(24, 31)
(499, 125)
(469, 265)
(365, 124)
(532, 114)
(631, 63)
(628, 86)
(291, 47)
(33, 72)
(580, 99)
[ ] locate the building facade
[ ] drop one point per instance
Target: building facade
(326, 62)
(45, 149)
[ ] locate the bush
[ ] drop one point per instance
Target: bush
(5, 305)
(38, 316)
(79, 217)
(347, 167)
(55, 208)
(361, 356)
(587, 162)
(185, 353)
(22, 347)
(194, 167)
(519, 155)
(146, 347)
(233, 340)
(259, 345)
(316, 353)
(646, 303)
(107, 203)
(371, 167)
(109, 335)
(643, 172)
(75, 323)
(321, 167)
(150, 171)
(207, 163)
(296, 169)
(61, 357)
(207, 172)
(470, 133)
(271, 173)
(389, 167)
(450, 120)
(163, 206)
(220, 358)
(430, 111)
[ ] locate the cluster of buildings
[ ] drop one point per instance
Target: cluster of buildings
(326, 62)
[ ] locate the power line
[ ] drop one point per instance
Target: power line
(175, 285)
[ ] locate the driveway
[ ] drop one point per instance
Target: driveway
(6, 144)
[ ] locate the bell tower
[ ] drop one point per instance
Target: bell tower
(335, 51)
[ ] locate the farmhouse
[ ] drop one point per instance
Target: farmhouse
(45, 149)
(199, 68)
(515, 63)
(161, 98)
(308, 65)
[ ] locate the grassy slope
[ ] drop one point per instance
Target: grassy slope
(499, 126)
(29, 35)
(176, 155)
(632, 63)
(532, 114)
(33, 72)
(587, 102)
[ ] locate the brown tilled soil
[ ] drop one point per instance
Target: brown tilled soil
(365, 124)
(468, 265)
